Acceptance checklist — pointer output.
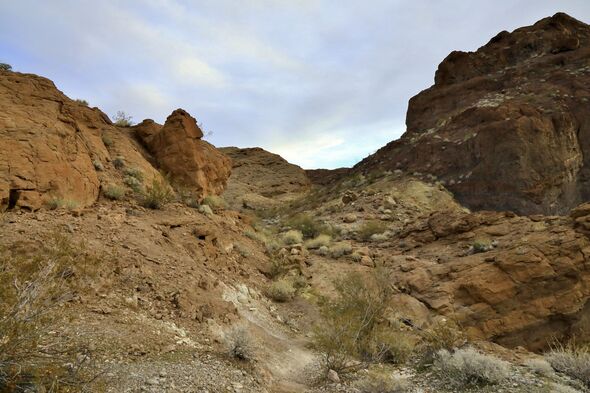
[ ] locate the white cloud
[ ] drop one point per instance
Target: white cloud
(195, 71)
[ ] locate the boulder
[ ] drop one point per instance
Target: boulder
(179, 151)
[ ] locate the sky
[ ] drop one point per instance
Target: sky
(324, 83)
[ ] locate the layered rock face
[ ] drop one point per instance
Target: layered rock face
(261, 179)
(52, 147)
(519, 281)
(506, 127)
(47, 144)
(179, 150)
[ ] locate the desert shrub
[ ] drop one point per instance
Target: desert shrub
(292, 237)
(380, 237)
(81, 101)
(539, 366)
(318, 241)
(444, 333)
(62, 203)
(107, 141)
(240, 344)
(468, 367)
(135, 173)
(370, 228)
(121, 119)
(349, 324)
(559, 388)
(340, 249)
(119, 162)
(280, 291)
(5, 67)
(205, 209)
(307, 225)
(572, 359)
(214, 202)
(278, 267)
(133, 183)
(481, 246)
(376, 382)
(391, 346)
(114, 192)
(98, 165)
(35, 282)
(156, 196)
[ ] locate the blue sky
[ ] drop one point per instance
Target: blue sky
(324, 83)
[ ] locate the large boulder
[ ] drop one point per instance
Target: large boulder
(47, 144)
(506, 127)
(180, 152)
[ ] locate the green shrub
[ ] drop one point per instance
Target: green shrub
(119, 162)
(215, 202)
(572, 359)
(468, 367)
(61, 203)
(376, 382)
(318, 241)
(481, 246)
(5, 67)
(98, 165)
(307, 225)
(35, 282)
(349, 329)
(81, 102)
(280, 291)
(135, 173)
(114, 192)
(370, 228)
(107, 141)
(133, 183)
(156, 196)
(122, 120)
(292, 237)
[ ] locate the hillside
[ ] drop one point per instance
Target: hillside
(141, 258)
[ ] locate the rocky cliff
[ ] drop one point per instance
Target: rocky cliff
(54, 148)
(506, 127)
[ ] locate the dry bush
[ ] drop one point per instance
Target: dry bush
(122, 119)
(240, 344)
(62, 203)
(307, 225)
(539, 366)
(376, 382)
(81, 101)
(107, 140)
(135, 173)
(445, 333)
(280, 291)
(292, 237)
(391, 345)
(34, 284)
(214, 202)
(468, 367)
(349, 330)
(340, 249)
(5, 67)
(114, 192)
(370, 228)
(157, 195)
(572, 359)
(133, 183)
(318, 241)
(119, 162)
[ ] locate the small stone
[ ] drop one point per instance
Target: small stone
(333, 376)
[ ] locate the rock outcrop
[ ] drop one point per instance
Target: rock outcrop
(261, 179)
(506, 127)
(179, 151)
(518, 281)
(47, 144)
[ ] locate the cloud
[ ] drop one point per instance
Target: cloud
(196, 72)
(323, 82)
